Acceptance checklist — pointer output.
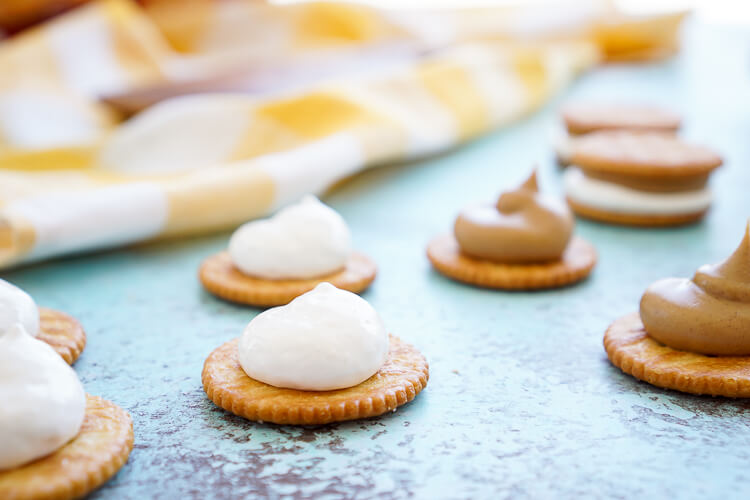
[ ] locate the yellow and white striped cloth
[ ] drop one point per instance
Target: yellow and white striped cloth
(73, 178)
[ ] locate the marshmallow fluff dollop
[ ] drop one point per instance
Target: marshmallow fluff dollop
(323, 340)
(304, 240)
(42, 402)
(17, 306)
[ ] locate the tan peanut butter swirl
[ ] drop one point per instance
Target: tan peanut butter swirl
(709, 314)
(522, 227)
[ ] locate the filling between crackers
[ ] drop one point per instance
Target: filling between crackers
(633, 195)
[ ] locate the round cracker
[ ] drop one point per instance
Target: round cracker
(630, 349)
(398, 381)
(220, 277)
(644, 220)
(99, 450)
(585, 117)
(63, 332)
(576, 263)
(641, 154)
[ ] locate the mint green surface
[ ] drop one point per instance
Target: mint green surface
(521, 403)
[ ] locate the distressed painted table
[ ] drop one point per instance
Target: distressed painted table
(521, 400)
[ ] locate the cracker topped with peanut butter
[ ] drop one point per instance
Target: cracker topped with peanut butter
(691, 335)
(522, 241)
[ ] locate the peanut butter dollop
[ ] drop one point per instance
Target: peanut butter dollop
(522, 227)
(709, 314)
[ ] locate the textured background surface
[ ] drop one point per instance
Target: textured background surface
(521, 401)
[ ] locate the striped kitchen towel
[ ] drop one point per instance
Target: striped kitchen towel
(324, 91)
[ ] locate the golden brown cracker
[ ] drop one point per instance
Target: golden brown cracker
(63, 332)
(630, 348)
(585, 117)
(220, 277)
(644, 220)
(576, 263)
(641, 154)
(99, 450)
(398, 381)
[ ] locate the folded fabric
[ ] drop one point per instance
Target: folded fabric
(72, 178)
